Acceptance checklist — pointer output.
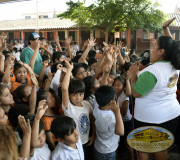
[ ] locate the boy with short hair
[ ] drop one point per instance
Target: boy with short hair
(69, 146)
(109, 124)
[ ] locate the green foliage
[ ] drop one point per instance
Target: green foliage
(122, 14)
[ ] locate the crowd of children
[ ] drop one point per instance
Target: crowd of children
(66, 103)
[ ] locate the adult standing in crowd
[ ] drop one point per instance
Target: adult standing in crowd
(31, 55)
(155, 88)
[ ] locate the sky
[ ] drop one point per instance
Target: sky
(13, 11)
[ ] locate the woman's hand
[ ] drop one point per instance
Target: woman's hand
(133, 69)
(168, 22)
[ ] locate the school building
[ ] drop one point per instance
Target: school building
(49, 28)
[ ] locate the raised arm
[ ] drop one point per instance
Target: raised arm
(58, 44)
(42, 107)
(91, 44)
(47, 50)
(26, 128)
(128, 85)
(68, 42)
(6, 76)
(32, 98)
(133, 73)
(119, 128)
(33, 58)
(165, 27)
(106, 71)
(2, 58)
(3, 42)
(65, 84)
(114, 62)
(41, 76)
(47, 85)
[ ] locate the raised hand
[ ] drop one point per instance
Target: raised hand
(25, 126)
(42, 107)
(115, 106)
(68, 40)
(56, 39)
(133, 69)
(106, 69)
(37, 44)
(92, 42)
(68, 65)
(168, 22)
(33, 80)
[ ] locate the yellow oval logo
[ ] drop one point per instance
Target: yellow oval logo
(150, 139)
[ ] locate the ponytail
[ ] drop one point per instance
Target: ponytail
(172, 50)
(175, 55)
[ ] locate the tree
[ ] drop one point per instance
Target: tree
(122, 14)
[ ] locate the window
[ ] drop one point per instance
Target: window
(27, 17)
(61, 35)
(72, 33)
(43, 16)
(50, 36)
(148, 35)
(85, 35)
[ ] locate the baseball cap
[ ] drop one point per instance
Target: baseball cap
(34, 36)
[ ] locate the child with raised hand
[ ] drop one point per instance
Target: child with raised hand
(26, 128)
(122, 88)
(49, 115)
(75, 107)
(21, 72)
(69, 146)
(38, 138)
(108, 122)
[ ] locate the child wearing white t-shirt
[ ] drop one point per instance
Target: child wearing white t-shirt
(69, 146)
(108, 122)
(122, 87)
(75, 107)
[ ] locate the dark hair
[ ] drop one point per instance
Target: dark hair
(62, 126)
(134, 58)
(86, 67)
(42, 94)
(76, 68)
(145, 57)
(19, 93)
(17, 66)
(104, 95)
(80, 52)
(92, 54)
(54, 67)
(172, 50)
(15, 111)
(76, 58)
(45, 57)
(121, 79)
(76, 86)
(15, 49)
(89, 83)
(127, 65)
(56, 55)
(91, 61)
(6, 54)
